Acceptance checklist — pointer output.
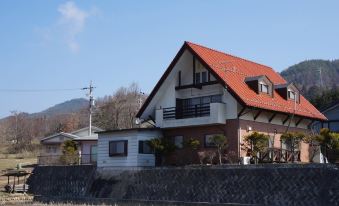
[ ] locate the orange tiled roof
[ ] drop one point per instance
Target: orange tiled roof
(233, 71)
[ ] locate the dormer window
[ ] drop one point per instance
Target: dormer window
(260, 84)
(263, 88)
(288, 92)
(291, 95)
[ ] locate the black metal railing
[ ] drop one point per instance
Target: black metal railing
(199, 110)
(83, 159)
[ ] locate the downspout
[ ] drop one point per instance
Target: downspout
(295, 108)
(239, 133)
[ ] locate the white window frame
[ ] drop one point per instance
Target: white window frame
(263, 85)
(294, 97)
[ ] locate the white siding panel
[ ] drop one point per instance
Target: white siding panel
(133, 158)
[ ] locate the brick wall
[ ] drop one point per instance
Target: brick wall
(269, 129)
(230, 130)
(186, 156)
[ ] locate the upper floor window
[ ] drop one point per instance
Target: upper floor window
(291, 95)
(200, 100)
(264, 88)
(200, 77)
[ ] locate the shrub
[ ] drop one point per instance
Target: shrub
(69, 153)
(326, 139)
(161, 147)
(220, 142)
(258, 142)
(192, 143)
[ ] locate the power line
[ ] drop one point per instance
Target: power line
(40, 90)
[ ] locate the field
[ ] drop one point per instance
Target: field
(10, 161)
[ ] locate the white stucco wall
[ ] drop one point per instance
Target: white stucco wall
(278, 119)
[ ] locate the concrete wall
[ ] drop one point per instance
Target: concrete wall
(259, 185)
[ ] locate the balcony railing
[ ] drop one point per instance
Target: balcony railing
(279, 155)
(199, 110)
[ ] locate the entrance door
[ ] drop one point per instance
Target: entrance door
(93, 153)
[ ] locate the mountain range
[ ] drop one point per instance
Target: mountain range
(70, 106)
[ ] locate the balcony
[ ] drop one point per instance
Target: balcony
(199, 110)
(201, 114)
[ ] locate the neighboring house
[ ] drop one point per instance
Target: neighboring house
(332, 114)
(52, 146)
(128, 147)
(205, 92)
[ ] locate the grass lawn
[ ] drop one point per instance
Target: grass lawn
(11, 163)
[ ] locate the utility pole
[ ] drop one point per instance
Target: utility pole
(90, 107)
(141, 94)
(321, 78)
(16, 114)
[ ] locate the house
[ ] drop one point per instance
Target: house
(127, 147)
(51, 150)
(205, 92)
(332, 114)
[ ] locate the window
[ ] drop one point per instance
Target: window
(93, 153)
(118, 148)
(144, 147)
(291, 95)
(178, 141)
(203, 77)
(197, 78)
(216, 99)
(201, 100)
(209, 140)
(264, 88)
(200, 77)
(51, 149)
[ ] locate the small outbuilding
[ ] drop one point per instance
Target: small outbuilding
(126, 147)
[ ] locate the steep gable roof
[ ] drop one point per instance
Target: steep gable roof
(232, 71)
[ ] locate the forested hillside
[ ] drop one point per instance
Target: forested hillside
(318, 80)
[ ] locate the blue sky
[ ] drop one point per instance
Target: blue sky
(65, 44)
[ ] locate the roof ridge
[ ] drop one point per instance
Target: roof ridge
(231, 55)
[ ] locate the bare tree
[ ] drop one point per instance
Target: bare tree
(120, 109)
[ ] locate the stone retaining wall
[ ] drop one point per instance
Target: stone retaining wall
(263, 185)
